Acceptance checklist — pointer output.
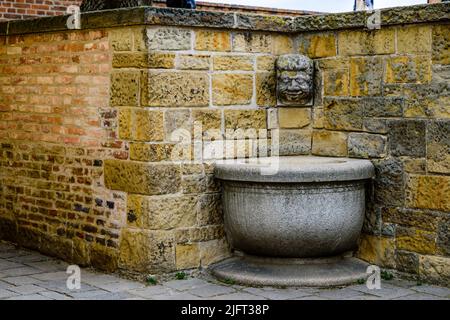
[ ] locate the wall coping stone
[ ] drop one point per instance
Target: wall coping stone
(426, 13)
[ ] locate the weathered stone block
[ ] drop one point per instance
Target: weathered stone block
(441, 44)
(210, 210)
(438, 147)
(318, 118)
(148, 125)
(225, 63)
(124, 89)
(147, 251)
(389, 185)
(213, 251)
(415, 165)
(366, 75)
(365, 145)
(335, 82)
(416, 240)
(293, 142)
(266, 88)
(294, 118)
(428, 192)
(329, 143)
(143, 60)
(103, 258)
(141, 178)
(407, 138)
(162, 212)
(206, 40)
(406, 69)
(125, 123)
(199, 234)
(210, 120)
(282, 44)
(121, 39)
(375, 125)
(187, 256)
(245, 119)
(407, 262)
(423, 220)
(164, 38)
(366, 42)
(343, 114)
(232, 89)
(130, 60)
(151, 152)
(194, 62)
(265, 63)
(334, 63)
(435, 269)
(414, 39)
(252, 42)
(318, 45)
(177, 123)
(176, 89)
(443, 239)
(383, 106)
(377, 250)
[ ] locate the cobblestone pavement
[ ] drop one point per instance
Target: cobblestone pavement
(27, 275)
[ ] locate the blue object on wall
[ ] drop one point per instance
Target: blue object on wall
(368, 4)
(185, 4)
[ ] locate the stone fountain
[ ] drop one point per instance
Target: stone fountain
(293, 221)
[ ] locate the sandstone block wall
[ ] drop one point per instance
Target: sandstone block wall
(165, 79)
(93, 171)
(385, 96)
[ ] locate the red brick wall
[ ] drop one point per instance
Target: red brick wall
(56, 129)
(26, 9)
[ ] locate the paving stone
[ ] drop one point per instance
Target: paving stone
(19, 281)
(211, 290)
(339, 293)
(46, 276)
(49, 266)
(5, 265)
(150, 292)
(420, 296)
(434, 290)
(25, 275)
(26, 289)
(112, 296)
(96, 278)
(54, 295)
(280, 294)
(366, 297)
(29, 297)
(29, 258)
(177, 296)
(6, 294)
(239, 296)
(188, 284)
(387, 291)
(61, 287)
(120, 286)
(88, 294)
(312, 298)
(21, 271)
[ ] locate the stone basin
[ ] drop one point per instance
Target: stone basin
(287, 208)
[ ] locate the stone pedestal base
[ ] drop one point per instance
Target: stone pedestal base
(278, 272)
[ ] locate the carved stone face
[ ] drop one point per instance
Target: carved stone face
(294, 80)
